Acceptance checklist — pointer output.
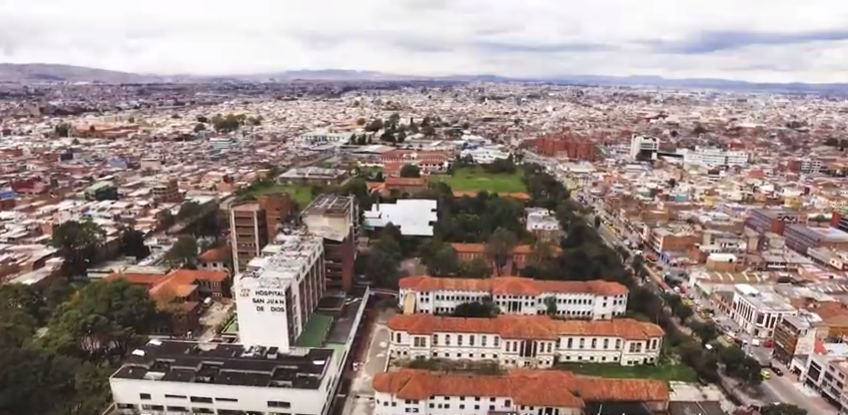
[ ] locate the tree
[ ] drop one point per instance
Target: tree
(202, 119)
(382, 267)
(361, 121)
(34, 381)
(227, 124)
(374, 126)
(199, 127)
(63, 130)
(476, 268)
(782, 409)
(78, 243)
(444, 262)
(499, 248)
(165, 219)
(183, 252)
(189, 210)
(410, 170)
(706, 331)
(132, 244)
(550, 306)
(485, 309)
(100, 320)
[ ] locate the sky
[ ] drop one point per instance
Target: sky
(756, 40)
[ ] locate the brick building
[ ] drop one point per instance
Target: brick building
(567, 145)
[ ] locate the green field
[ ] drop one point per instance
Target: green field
(663, 371)
(301, 194)
(315, 331)
(476, 179)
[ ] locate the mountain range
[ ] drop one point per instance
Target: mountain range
(39, 72)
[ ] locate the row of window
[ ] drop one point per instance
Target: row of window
(203, 399)
(635, 347)
(183, 409)
(537, 299)
(543, 362)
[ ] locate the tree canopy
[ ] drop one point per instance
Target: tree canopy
(410, 170)
(78, 243)
(184, 251)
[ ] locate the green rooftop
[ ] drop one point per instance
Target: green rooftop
(315, 331)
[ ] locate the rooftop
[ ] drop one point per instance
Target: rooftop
(225, 364)
(512, 286)
(525, 327)
(545, 388)
(282, 262)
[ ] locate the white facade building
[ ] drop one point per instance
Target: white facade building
(485, 155)
(757, 311)
(541, 220)
(520, 392)
(414, 217)
(595, 300)
(640, 143)
(174, 377)
(716, 157)
(326, 137)
(279, 290)
(222, 143)
(524, 341)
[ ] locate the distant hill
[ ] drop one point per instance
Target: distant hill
(42, 72)
(28, 73)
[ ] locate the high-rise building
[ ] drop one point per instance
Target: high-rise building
(278, 207)
(644, 147)
(336, 219)
(248, 232)
(276, 292)
(167, 192)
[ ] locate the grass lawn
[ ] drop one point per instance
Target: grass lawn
(315, 331)
(301, 194)
(232, 327)
(663, 371)
(476, 179)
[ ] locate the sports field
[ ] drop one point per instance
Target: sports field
(476, 180)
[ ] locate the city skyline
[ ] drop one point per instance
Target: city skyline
(777, 41)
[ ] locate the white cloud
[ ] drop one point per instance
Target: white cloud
(518, 38)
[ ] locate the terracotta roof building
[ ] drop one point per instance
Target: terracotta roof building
(594, 300)
(525, 341)
(518, 392)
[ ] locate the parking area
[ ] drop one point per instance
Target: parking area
(361, 396)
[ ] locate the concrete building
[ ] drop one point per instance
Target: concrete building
(326, 137)
(223, 143)
(543, 224)
(414, 217)
(758, 311)
(643, 147)
(826, 371)
(772, 220)
(278, 208)
(800, 238)
(485, 155)
(248, 233)
(280, 290)
(795, 336)
(335, 218)
(520, 392)
(313, 175)
(565, 145)
(524, 341)
(592, 300)
(167, 192)
(712, 157)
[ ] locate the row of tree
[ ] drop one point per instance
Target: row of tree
(57, 347)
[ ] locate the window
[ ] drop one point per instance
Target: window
(483, 340)
(617, 344)
(447, 339)
(606, 343)
(177, 409)
(471, 340)
(153, 407)
(201, 399)
(176, 396)
(435, 339)
(582, 341)
(459, 340)
(570, 343)
(497, 341)
(397, 337)
(507, 403)
(594, 343)
(144, 396)
(418, 341)
(226, 400)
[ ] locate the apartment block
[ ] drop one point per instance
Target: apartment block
(524, 341)
(801, 238)
(248, 233)
(757, 311)
(772, 220)
(593, 300)
(335, 218)
(794, 336)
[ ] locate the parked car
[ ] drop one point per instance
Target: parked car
(777, 371)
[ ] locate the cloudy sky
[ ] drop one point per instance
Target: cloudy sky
(762, 40)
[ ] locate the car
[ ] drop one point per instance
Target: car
(765, 374)
(777, 371)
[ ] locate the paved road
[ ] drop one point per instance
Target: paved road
(776, 389)
(360, 400)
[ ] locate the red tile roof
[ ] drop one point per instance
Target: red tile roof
(515, 195)
(525, 327)
(511, 285)
(218, 254)
(548, 388)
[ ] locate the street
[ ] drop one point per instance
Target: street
(783, 389)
